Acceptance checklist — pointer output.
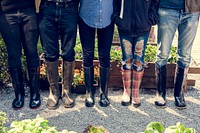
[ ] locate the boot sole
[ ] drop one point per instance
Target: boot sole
(161, 107)
(35, 107)
(125, 103)
(89, 104)
(180, 108)
(69, 106)
(137, 105)
(17, 108)
(103, 105)
(52, 107)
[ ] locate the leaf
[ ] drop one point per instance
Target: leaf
(157, 127)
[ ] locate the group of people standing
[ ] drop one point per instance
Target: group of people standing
(56, 23)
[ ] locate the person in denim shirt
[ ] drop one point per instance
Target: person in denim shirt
(134, 19)
(58, 25)
(18, 27)
(95, 16)
(183, 16)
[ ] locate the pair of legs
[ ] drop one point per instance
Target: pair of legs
(19, 31)
(59, 22)
(87, 36)
(186, 24)
(133, 51)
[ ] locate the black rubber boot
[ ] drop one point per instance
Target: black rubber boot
(161, 86)
(180, 79)
(104, 80)
(17, 82)
(67, 74)
(53, 78)
(34, 83)
(90, 90)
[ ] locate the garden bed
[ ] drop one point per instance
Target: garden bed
(149, 80)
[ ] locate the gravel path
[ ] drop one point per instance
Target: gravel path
(115, 118)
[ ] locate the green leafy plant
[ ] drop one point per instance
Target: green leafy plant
(150, 54)
(95, 129)
(116, 53)
(157, 127)
(179, 128)
(3, 129)
(154, 127)
(37, 125)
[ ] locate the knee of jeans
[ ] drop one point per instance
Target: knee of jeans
(138, 65)
(32, 63)
(127, 46)
(139, 48)
(183, 63)
(51, 58)
(14, 64)
(104, 62)
(127, 64)
(87, 63)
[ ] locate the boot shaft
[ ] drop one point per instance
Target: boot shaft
(53, 77)
(161, 75)
(67, 75)
(104, 79)
(126, 78)
(34, 79)
(136, 79)
(89, 78)
(90, 90)
(67, 78)
(17, 81)
(179, 80)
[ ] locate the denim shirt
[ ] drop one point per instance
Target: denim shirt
(173, 4)
(96, 13)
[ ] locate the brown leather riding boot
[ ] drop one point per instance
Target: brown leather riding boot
(53, 78)
(67, 78)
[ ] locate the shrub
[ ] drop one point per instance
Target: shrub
(150, 54)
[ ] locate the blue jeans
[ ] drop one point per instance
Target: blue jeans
(87, 36)
(133, 51)
(19, 30)
(186, 24)
(58, 22)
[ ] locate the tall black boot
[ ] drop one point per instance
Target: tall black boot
(67, 78)
(90, 90)
(104, 80)
(161, 86)
(17, 82)
(179, 81)
(53, 78)
(34, 83)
